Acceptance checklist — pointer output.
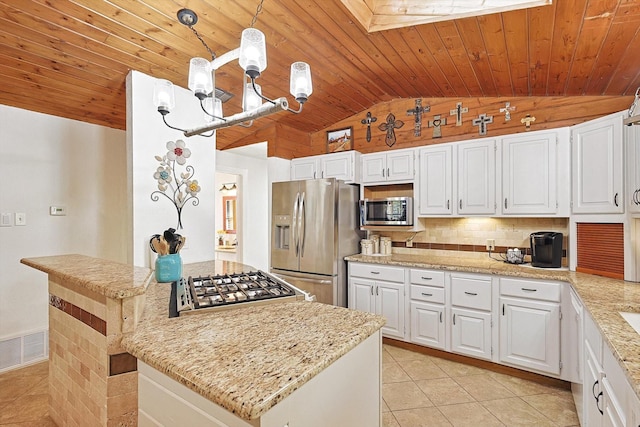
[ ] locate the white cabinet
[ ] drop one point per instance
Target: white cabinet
(632, 141)
(436, 180)
(529, 173)
(427, 308)
(476, 177)
(388, 167)
(381, 290)
(597, 166)
(530, 324)
(343, 166)
(471, 315)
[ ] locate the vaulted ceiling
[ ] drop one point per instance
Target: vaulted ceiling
(70, 57)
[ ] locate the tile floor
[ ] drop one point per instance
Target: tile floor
(418, 390)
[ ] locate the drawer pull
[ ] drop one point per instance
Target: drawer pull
(426, 278)
(427, 295)
(440, 317)
(375, 272)
(529, 289)
(473, 294)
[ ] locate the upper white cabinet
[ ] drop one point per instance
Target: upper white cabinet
(343, 165)
(435, 185)
(632, 138)
(529, 174)
(476, 177)
(597, 166)
(388, 167)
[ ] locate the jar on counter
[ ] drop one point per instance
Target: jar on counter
(168, 268)
(385, 245)
(367, 246)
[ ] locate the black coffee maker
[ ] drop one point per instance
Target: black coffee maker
(546, 249)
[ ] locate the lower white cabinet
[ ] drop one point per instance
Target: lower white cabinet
(471, 333)
(428, 324)
(530, 334)
(384, 297)
(471, 315)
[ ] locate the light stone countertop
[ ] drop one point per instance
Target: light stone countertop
(604, 298)
(245, 360)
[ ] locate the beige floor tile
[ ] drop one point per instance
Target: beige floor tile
(469, 415)
(522, 387)
(421, 369)
(405, 395)
(399, 354)
(393, 373)
(388, 420)
(455, 369)
(516, 412)
(444, 391)
(386, 356)
(41, 388)
(14, 386)
(558, 407)
(34, 408)
(483, 387)
(385, 407)
(421, 417)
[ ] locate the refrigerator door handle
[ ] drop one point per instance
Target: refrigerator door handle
(303, 224)
(294, 223)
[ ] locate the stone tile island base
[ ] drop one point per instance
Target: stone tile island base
(92, 380)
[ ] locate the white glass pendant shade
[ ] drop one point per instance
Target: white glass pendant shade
(253, 52)
(163, 97)
(300, 84)
(250, 99)
(213, 108)
(200, 78)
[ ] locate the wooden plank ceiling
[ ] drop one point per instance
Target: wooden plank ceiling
(70, 57)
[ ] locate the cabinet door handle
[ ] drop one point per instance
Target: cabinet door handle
(448, 204)
(460, 204)
(505, 203)
(375, 272)
(473, 294)
(529, 289)
(322, 174)
(454, 318)
(427, 295)
(615, 199)
(503, 309)
(383, 172)
(377, 290)
(314, 174)
(426, 278)
(440, 317)
(635, 197)
(388, 174)
(372, 290)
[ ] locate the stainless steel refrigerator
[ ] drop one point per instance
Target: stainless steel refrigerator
(314, 225)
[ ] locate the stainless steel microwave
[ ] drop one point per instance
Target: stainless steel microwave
(387, 211)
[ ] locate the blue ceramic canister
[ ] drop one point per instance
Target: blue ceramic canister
(168, 268)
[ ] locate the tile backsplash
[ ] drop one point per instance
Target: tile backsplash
(471, 234)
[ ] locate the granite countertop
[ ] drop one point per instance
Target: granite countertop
(250, 358)
(604, 298)
(108, 278)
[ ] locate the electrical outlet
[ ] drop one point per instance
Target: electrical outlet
(21, 218)
(491, 244)
(409, 243)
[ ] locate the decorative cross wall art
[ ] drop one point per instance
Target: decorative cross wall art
(389, 127)
(482, 121)
(367, 121)
(417, 112)
(507, 111)
(527, 120)
(435, 124)
(458, 111)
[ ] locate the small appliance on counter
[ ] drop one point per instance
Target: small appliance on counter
(546, 249)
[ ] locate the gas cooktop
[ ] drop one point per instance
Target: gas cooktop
(219, 291)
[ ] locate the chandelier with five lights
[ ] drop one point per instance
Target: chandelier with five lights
(252, 57)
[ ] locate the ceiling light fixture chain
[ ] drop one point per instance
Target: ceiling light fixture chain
(206, 46)
(255, 17)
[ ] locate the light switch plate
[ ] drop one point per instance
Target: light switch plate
(5, 219)
(57, 210)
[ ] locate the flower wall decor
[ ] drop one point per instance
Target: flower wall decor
(178, 188)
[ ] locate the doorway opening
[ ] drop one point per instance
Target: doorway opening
(228, 222)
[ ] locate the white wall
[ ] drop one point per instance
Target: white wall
(46, 161)
(146, 138)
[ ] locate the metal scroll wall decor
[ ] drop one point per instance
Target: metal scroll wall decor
(390, 127)
(417, 113)
(177, 188)
(367, 121)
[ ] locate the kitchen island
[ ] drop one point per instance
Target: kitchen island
(250, 366)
